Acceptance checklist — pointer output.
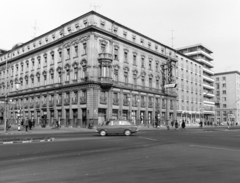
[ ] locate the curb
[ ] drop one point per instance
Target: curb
(28, 141)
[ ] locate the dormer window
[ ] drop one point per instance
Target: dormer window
(85, 22)
(125, 34)
(102, 23)
(115, 29)
(141, 42)
(69, 29)
(134, 37)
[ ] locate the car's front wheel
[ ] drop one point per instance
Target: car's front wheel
(127, 132)
(103, 133)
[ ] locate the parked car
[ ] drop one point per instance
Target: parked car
(117, 127)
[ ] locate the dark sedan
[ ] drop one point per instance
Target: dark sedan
(117, 127)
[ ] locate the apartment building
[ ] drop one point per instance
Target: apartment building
(88, 70)
(227, 96)
(203, 56)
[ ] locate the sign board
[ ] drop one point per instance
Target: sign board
(173, 85)
(231, 116)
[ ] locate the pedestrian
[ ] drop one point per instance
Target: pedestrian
(183, 125)
(25, 122)
(201, 124)
(228, 124)
(172, 123)
(30, 124)
(33, 122)
(176, 125)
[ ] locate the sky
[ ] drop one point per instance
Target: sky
(177, 23)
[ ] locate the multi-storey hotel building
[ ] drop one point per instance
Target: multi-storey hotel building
(88, 70)
(203, 55)
(189, 80)
(227, 92)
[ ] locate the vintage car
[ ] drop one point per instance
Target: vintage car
(117, 127)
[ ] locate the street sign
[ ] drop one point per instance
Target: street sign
(173, 85)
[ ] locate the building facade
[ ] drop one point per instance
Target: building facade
(227, 95)
(86, 71)
(203, 56)
(190, 87)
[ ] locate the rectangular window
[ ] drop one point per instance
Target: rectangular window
(134, 59)
(60, 56)
(84, 48)
(125, 56)
(142, 64)
(76, 50)
(150, 82)
(143, 82)
(135, 80)
(68, 53)
(224, 85)
(68, 75)
(150, 65)
(156, 66)
(115, 54)
(125, 78)
(52, 77)
(52, 58)
(224, 92)
(223, 78)
(45, 80)
(103, 48)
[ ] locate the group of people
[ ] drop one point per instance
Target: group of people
(28, 124)
(176, 125)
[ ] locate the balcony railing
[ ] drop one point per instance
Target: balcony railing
(74, 100)
(105, 56)
(83, 100)
(125, 102)
(59, 102)
(143, 104)
(115, 101)
(66, 101)
(134, 103)
(150, 104)
(51, 103)
(103, 100)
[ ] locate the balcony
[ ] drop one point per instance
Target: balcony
(74, 101)
(134, 103)
(163, 106)
(105, 56)
(103, 100)
(125, 102)
(106, 82)
(37, 105)
(157, 105)
(143, 104)
(51, 103)
(59, 102)
(66, 101)
(115, 101)
(83, 100)
(150, 104)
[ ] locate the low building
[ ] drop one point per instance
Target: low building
(227, 96)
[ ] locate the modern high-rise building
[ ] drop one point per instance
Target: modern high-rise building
(88, 70)
(227, 96)
(203, 56)
(190, 83)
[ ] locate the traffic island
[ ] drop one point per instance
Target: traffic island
(16, 140)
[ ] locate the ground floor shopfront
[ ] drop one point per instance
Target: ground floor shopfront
(92, 105)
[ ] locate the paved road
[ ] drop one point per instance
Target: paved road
(192, 155)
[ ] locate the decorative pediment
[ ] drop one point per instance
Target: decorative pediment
(126, 69)
(83, 62)
(67, 66)
(150, 75)
(21, 79)
(157, 77)
(31, 75)
(143, 73)
(135, 71)
(44, 72)
(32, 59)
(116, 67)
(67, 45)
(27, 61)
(102, 41)
(51, 70)
(116, 47)
(52, 52)
(38, 74)
(59, 69)
(125, 50)
(75, 64)
(26, 77)
(59, 49)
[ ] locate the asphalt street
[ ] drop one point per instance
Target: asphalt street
(187, 156)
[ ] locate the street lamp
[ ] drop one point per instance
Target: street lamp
(129, 100)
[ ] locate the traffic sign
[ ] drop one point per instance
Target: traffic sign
(172, 85)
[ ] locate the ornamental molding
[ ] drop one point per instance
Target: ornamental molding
(67, 66)
(102, 41)
(126, 69)
(135, 71)
(51, 70)
(150, 75)
(59, 69)
(44, 73)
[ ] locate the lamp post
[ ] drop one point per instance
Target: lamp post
(129, 100)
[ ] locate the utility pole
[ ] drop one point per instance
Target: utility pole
(95, 6)
(172, 38)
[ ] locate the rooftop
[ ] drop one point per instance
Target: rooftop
(196, 45)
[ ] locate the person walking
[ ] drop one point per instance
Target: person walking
(172, 124)
(25, 122)
(30, 124)
(183, 125)
(201, 124)
(176, 125)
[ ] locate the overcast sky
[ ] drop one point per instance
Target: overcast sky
(214, 23)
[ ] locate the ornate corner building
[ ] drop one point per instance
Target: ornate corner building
(88, 70)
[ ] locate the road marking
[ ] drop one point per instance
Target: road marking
(148, 138)
(217, 148)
